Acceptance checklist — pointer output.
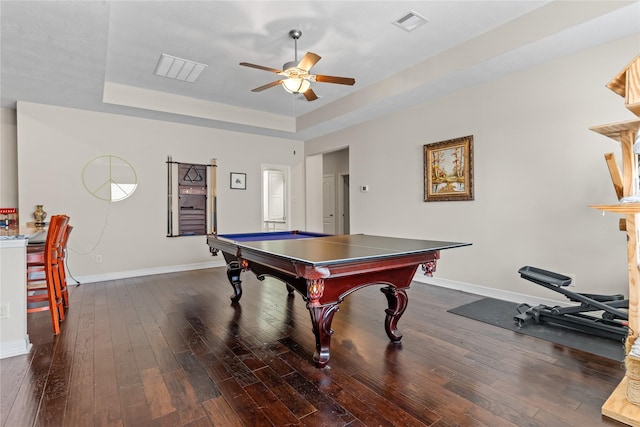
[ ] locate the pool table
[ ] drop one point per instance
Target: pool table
(324, 269)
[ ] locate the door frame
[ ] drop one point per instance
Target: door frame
(340, 206)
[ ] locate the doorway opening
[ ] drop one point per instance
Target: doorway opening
(343, 204)
(335, 192)
(275, 198)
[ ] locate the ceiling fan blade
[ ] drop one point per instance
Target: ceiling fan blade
(260, 67)
(308, 61)
(310, 95)
(267, 86)
(333, 79)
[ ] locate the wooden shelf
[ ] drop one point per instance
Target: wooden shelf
(615, 130)
(623, 208)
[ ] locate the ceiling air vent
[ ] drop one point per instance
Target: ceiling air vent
(179, 69)
(410, 21)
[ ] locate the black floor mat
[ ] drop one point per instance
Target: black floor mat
(500, 313)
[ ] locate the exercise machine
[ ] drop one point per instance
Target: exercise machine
(601, 315)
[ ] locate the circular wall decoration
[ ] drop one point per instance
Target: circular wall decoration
(109, 178)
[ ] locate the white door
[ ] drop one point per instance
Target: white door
(328, 204)
(274, 199)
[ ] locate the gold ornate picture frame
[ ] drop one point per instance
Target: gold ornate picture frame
(448, 170)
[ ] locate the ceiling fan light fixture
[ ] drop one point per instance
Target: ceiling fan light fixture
(295, 75)
(296, 85)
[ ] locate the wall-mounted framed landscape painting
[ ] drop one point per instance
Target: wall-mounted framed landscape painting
(448, 170)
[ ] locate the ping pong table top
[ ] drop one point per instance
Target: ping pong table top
(344, 248)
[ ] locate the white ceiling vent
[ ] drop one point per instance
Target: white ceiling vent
(178, 68)
(410, 21)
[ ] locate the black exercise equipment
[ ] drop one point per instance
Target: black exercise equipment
(601, 315)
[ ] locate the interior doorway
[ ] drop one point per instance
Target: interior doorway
(335, 194)
(343, 204)
(275, 198)
(329, 204)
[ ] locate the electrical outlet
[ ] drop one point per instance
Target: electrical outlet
(4, 311)
(98, 259)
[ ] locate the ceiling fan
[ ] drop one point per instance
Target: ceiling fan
(296, 77)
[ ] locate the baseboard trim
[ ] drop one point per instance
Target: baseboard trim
(145, 272)
(15, 348)
(488, 292)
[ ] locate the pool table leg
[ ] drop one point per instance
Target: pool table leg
(321, 317)
(397, 300)
(233, 273)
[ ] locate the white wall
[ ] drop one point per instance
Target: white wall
(8, 159)
(55, 143)
(336, 162)
(537, 168)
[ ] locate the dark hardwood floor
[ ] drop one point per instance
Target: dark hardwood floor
(171, 350)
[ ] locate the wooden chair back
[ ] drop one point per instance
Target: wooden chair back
(48, 289)
(62, 257)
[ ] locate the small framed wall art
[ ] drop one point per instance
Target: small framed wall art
(238, 181)
(448, 170)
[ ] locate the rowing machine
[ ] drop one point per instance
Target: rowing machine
(601, 315)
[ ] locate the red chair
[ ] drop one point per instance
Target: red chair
(62, 256)
(44, 289)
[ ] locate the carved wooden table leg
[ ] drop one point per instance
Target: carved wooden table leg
(321, 317)
(233, 273)
(397, 300)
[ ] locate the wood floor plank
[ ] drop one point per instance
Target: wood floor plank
(183, 397)
(31, 393)
(274, 409)
(294, 401)
(156, 392)
(51, 412)
(108, 412)
(127, 372)
(80, 404)
(135, 407)
(215, 369)
(197, 377)
(329, 410)
(12, 371)
(201, 422)
(357, 397)
(163, 354)
(220, 413)
(245, 407)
